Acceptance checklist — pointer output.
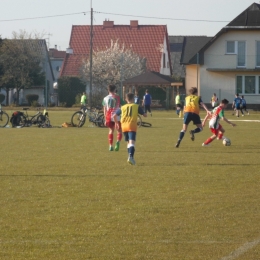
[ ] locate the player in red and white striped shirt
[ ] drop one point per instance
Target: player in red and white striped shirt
(214, 125)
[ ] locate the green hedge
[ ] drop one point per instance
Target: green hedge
(68, 89)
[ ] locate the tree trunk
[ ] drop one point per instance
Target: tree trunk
(7, 96)
(17, 96)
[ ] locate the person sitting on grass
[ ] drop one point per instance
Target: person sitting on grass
(129, 114)
(214, 125)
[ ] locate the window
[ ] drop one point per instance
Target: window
(248, 84)
(239, 84)
(231, 47)
(164, 64)
(241, 54)
(258, 54)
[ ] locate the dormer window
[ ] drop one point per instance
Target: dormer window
(231, 47)
(238, 48)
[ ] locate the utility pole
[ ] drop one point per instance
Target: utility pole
(90, 55)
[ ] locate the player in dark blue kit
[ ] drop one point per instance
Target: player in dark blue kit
(147, 100)
(237, 105)
(243, 101)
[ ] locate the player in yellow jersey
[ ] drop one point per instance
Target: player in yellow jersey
(129, 114)
(191, 113)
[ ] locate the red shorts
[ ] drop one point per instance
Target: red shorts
(215, 131)
(111, 124)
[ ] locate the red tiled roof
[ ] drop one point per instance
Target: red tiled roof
(144, 40)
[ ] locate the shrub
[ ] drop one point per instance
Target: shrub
(2, 98)
(35, 104)
(69, 88)
(32, 98)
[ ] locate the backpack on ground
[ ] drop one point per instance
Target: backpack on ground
(16, 118)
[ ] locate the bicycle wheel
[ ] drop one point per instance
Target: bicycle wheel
(139, 121)
(4, 119)
(101, 121)
(78, 119)
(145, 124)
(40, 120)
(22, 122)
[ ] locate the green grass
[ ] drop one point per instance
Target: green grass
(65, 196)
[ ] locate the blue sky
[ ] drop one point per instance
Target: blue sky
(60, 26)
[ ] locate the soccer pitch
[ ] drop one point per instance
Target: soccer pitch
(65, 196)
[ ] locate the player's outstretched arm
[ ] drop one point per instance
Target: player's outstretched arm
(229, 122)
(205, 120)
(204, 106)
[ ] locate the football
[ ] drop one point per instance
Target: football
(226, 142)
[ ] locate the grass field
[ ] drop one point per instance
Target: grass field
(65, 196)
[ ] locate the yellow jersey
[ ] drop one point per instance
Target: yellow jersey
(192, 104)
(129, 114)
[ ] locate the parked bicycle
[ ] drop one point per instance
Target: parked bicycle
(4, 118)
(94, 115)
(39, 119)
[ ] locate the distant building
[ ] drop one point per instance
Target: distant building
(56, 58)
(229, 62)
(148, 41)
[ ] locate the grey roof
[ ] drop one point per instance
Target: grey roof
(247, 20)
(39, 46)
(150, 78)
(192, 45)
(249, 17)
(176, 46)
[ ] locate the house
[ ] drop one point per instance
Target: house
(39, 46)
(229, 62)
(148, 41)
(182, 48)
(56, 59)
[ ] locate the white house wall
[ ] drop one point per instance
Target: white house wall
(224, 83)
(166, 70)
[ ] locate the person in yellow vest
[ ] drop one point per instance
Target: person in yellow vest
(129, 114)
(191, 113)
(178, 104)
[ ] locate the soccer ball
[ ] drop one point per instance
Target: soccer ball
(226, 142)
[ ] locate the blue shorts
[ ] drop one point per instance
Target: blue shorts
(237, 106)
(130, 136)
(195, 118)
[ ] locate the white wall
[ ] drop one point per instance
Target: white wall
(166, 70)
(224, 83)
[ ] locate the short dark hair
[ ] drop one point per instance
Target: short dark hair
(193, 90)
(130, 96)
(111, 88)
(224, 101)
(146, 91)
(237, 94)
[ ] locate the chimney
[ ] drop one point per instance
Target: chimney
(55, 47)
(108, 24)
(134, 23)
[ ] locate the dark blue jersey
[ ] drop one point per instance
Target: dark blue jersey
(147, 99)
(237, 101)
